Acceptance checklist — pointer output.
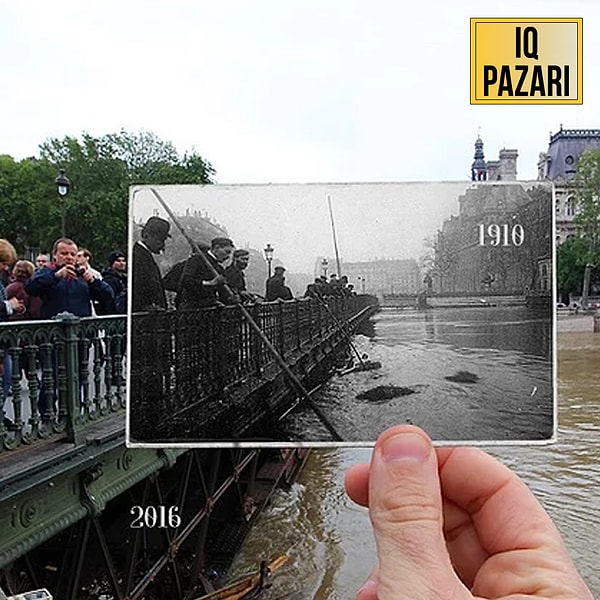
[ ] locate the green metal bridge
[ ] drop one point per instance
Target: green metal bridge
(78, 506)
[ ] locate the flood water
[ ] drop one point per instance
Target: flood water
(504, 352)
(329, 539)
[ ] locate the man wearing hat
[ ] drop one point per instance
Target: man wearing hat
(150, 341)
(147, 288)
(115, 274)
(276, 288)
(201, 285)
(236, 279)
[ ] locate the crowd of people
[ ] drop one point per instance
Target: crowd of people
(212, 275)
(62, 281)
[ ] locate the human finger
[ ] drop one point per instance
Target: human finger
(357, 483)
(368, 590)
(503, 509)
(405, 506)
(497, 526)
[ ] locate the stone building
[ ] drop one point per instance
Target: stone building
(559, 164)
(379, 277)
(496, 241)
(503, 169)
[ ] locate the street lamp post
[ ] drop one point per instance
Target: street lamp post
(62, 187)
(268, 250)
(324, 266)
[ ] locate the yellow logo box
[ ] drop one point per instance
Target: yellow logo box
(526, 61)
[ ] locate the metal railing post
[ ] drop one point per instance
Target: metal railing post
(298, 328)
(280, 328)
(70, 324)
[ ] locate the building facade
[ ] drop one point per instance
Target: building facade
(496, 242)
(383, 277)
(559, 165)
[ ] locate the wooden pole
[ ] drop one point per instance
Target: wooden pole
(335, 246)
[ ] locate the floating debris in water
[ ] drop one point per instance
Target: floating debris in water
(463, 377)
(385, 392)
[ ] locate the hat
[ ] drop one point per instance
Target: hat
(219, 242)
(158, 227)
(240, 252)
(279, 268)
(115, 255)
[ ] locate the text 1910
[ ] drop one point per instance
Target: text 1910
(501, 235)
(155, 516)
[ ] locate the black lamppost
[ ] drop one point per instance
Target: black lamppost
(62, 187)
(324, 266)
(268, 250)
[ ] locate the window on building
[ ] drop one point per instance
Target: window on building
(570, 206)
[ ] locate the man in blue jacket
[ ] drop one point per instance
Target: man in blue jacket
(64, 287)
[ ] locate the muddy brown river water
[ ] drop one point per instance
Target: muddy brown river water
(329, 539)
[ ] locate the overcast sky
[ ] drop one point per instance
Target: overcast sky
(384, 220)
(277, 91)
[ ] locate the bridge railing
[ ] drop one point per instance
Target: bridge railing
(183, 356)
(61, 375)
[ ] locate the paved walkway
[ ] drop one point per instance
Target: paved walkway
(583, 323)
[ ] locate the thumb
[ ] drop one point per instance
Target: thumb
(405, 506)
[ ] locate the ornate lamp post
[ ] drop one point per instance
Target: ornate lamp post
(362, 280)
(268, 250)
(62, 187)
(324, 266)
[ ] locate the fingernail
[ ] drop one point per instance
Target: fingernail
(405, 446)
(368, 590)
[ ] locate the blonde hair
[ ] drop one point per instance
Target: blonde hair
(8, 253)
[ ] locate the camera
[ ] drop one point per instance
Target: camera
(79, 271)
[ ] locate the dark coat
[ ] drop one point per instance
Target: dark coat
(67, 295)
(236, 279)
(116, 280)
(147, 287)
(276, 289)
(192, 292)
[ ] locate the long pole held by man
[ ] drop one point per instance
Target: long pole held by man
(285, 368)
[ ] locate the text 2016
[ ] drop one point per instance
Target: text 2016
(155, 516)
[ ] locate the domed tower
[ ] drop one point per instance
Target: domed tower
(479, 166)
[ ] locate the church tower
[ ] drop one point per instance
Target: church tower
(479, 166)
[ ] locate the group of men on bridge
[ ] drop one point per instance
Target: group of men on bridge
(199, 281)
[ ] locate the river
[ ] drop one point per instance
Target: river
(505, 392)
(329, 538)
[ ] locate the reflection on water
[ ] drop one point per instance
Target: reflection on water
(330, 539)
(505, 350)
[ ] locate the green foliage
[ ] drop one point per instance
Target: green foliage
(587, 189)
(100, 169)
(570, 264)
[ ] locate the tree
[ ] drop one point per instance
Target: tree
(101, 169)
(572, 258)
(587, 193)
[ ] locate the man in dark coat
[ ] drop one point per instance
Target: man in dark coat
(201, 285)
(147, 287)
(236, 279)
(115, 274)
(276, 288)
(150, 336)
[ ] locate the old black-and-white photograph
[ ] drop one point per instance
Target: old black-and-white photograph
(322, 314)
